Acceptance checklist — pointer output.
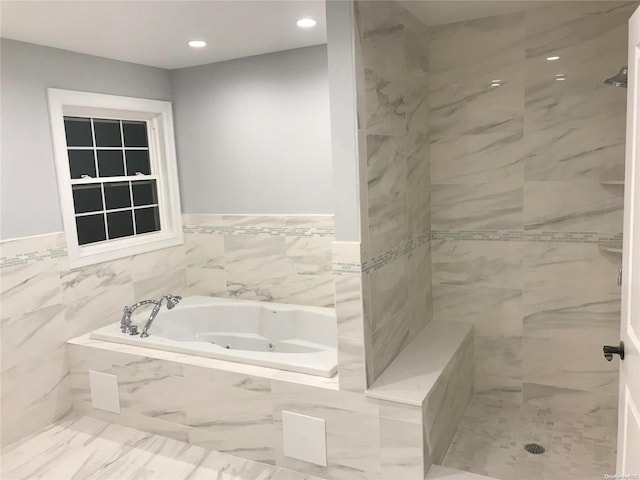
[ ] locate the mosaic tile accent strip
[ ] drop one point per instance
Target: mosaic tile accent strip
(380, 261)
(32, 257)
(344, 268)
(479, 235)
(607, 240)
(262, 231)
(613, 240)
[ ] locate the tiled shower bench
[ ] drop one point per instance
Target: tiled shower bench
(434, 375)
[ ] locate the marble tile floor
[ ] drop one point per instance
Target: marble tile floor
(491, 436)
(82, 448)
(438, 472)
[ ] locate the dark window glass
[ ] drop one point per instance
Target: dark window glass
(81, 162)
(107, 133)
(147, 220)
(87, 198)
(78, 132)
(135, 134)
(120, 224)
(116, 195)
(138, 161)
(90, 229)
(144, 192)
(110, 163)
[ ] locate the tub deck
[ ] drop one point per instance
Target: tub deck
(125, 354)
(294, 338)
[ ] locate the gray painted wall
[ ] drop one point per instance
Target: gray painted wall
(28, 192)
(253, 134)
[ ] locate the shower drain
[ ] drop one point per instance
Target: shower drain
(534, 448)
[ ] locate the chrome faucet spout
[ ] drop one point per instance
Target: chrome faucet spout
(126, 326)
(172, 301)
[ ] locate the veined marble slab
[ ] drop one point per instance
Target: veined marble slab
(81, 447)
(439, 472)
(191, 360)
(413, 374)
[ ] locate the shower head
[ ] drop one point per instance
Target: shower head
(619, 79)
(172, 300)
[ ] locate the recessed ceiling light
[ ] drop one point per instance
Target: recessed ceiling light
(495, 84)
(553, 58)
(560, 79)
(197, 43)
(306, 22)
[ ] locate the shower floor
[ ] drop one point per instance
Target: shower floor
(491, 437)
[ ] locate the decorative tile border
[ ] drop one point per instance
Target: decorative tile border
(32, 257)
(395, 253)
(613, 240)
(61, 252)
(375, 263)
(479, 235)
(345, 268)
(262, 231)
(261, 225)
(608, 240)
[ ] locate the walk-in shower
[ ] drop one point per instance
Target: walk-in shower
(516, 171)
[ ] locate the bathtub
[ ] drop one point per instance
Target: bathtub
(288, 337)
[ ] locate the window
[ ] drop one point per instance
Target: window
(117, 175)
(114, 192)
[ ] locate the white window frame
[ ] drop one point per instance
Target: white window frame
(162, 154)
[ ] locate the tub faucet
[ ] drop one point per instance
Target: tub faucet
(127, 327)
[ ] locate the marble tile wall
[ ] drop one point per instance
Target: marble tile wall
(446, 404)
(521, 223)
(237, 409)
(367, 439)
(350, 291)
(45, 303)
(275, 258)
(393, 111)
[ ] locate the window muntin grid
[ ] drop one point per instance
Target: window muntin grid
(110, 159)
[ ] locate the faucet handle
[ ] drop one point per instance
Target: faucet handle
(125, 324)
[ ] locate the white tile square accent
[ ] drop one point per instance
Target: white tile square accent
(104, 391)
(304, 438)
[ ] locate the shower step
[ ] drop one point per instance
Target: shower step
(438, 472)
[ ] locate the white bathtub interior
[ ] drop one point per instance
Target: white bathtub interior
(288, 337)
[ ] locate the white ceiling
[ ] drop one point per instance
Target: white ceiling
(156, 32)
